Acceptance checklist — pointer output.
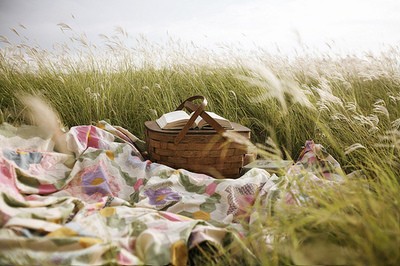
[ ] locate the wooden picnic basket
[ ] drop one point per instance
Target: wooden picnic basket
(207, 151)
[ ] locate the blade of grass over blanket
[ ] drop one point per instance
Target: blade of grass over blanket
(351, 105)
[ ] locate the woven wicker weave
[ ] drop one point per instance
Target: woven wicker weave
(198, 150)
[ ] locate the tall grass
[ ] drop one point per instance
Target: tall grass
(349, 104)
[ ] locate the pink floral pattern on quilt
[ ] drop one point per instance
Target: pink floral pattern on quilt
(105, 204)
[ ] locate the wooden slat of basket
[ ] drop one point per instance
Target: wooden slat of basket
(231, 159)
(187, 139)
(219, 153)
(163, 145)
(202, 139)
(233, 145)
(155, 156)
(204, 153)
(227, 165)
(204, 146)
(163, 152)
(223, 145)
(171, 146)
(180, 146)
(177, 160)
(191, 154)
(203, 161)
(228, 152)
(228, 155)
(161, 137)
(240, 151)
(154, 143)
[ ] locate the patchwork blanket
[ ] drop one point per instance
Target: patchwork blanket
(106, 204)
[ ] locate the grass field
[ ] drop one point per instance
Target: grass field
(351, 105)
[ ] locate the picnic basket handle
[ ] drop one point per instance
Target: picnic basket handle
(198, 110)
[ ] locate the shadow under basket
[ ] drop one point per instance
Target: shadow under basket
(200, 150)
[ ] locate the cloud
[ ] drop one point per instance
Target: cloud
(353, 24)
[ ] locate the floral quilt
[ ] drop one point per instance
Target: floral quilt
(104, 203)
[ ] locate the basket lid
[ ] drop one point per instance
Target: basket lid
(153, 126)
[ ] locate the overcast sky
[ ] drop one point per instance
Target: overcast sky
(346, 25)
